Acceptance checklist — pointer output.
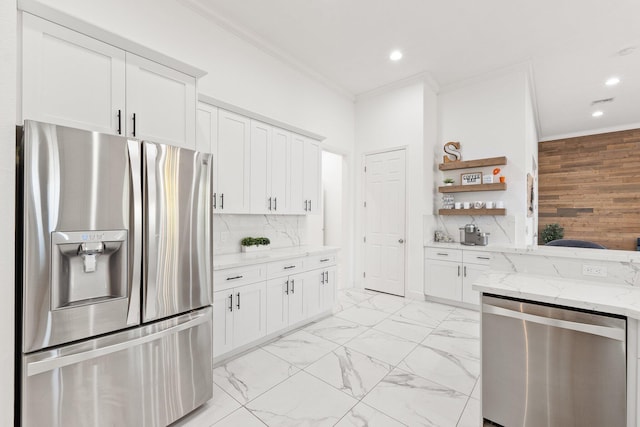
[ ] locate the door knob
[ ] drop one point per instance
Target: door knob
(401, 241)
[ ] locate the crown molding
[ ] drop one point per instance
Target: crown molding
(524, 67)
(422, 77)
(249, 37)
(589, 132)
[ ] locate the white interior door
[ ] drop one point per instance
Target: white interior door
(385, 199)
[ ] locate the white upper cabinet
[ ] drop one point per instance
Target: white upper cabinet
(207, 130)
(260, 184)
(71, 79)
(75, 80)
(234, 135)
(298, 204)
(160, 103)
(279, 170)
(312, 176)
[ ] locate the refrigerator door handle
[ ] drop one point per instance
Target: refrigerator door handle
(56, 362)
(135, 234)
(151, 257)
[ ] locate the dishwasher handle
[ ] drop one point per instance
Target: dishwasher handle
(614, 333)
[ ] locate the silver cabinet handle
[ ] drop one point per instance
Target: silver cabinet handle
(442, 254)
(222, 201)
(286, 288)
(238, 300)
(214, 201)
(327, 273)
(309, 205)
(465, 271)
(269, 203)
(289, 267)
(230, 302)
(322, 278)
(458, 271)
(275, 203)
(325, 260)
(483, 257)
(234, 277)
(306, 202)
(401, 241)
(134, 124)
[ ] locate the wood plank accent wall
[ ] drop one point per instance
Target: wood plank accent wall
(590, 185)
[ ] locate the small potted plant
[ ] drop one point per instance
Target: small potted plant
(254, 244)
(448, 181)
(551, 232)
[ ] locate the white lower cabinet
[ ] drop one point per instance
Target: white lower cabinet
(284, 294)
(285, 301)
(239, 316)
(450, 273)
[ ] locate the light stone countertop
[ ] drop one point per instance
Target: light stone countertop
(597, 296)
(549, 251)
(221, 262)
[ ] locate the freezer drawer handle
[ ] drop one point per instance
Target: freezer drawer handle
(234, 277)
(35, 368)
(603, 331)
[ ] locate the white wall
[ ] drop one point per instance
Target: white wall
(489, 118)
(7, 185)
(333, 198)
(389, 119)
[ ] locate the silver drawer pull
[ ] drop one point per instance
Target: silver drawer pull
(289, 266)
(234, 278)
(483, 257)
(325, 260)
(441, 254)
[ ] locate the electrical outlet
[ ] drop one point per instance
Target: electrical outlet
(594, 270)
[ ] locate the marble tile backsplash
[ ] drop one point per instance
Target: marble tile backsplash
(282, 230)
(502, 229)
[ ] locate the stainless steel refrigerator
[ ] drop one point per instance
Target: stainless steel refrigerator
(114, 279)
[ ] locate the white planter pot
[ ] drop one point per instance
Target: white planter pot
(255, 248)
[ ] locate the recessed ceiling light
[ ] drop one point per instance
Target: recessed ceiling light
(597, 113)
(396, 55)
(612, 81)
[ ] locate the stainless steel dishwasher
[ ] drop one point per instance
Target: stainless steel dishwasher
(545, 365)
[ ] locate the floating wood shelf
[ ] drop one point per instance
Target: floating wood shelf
(472, 212)
(478, 163)
(496, 186)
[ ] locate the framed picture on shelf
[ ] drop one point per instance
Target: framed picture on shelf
(471, 178)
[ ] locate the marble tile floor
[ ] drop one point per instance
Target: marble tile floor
(380, 360)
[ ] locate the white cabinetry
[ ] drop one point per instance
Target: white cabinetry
(207, 132)
(269, 154)
(450, 273)
(320, 292)
(285, 302)
(239, 316)
(74, 80)
(278, 172)
(305, 175)
(233, 161)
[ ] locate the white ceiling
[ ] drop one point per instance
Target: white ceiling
(571, 45)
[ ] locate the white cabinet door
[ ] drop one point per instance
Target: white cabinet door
(443, 279)
(312, 176)
(279, 170)
(298, 285)
(222, 322)
(161, 103)
(260, 180)
(471, 272)
(313, 291)
(328, 295)
(70, 79)
(207, 129)
(233, 163)
(297, 202)
(277, 307)
(249, 313)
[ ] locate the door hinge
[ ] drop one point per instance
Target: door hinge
(364, 274)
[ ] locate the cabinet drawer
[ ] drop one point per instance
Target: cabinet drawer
(320, 261)
(444, 254)
(231, 277)
(476, 257)
(285, 267)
